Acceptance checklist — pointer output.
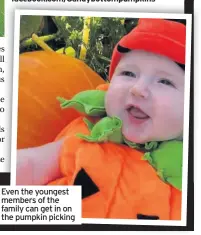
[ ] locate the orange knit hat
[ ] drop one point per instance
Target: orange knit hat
(159, 36)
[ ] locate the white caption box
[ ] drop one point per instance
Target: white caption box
(40, 205)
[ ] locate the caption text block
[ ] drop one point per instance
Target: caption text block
(40, 205)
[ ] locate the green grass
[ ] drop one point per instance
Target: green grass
(1, 18)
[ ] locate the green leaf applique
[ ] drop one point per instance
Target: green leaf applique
(107, 129)
(91, 103)
(167, 161)
(144, 147)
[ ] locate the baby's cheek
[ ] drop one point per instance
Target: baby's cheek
(167, 104)
(115, 100)
(170, 110)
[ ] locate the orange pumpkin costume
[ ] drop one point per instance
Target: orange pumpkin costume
(116, 181)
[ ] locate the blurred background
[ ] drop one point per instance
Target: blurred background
(90, 39)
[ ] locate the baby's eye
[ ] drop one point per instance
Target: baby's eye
(166, 82)
(128, 73)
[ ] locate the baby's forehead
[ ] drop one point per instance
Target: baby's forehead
(142, 58)
(148, 64)
(140, 55)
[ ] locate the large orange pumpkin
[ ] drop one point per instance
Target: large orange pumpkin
(42, 77)
(116, 182)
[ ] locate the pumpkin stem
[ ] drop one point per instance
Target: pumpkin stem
(85, 38)
(45, 38)
(41, 43)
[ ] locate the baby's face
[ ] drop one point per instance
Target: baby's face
(147, 93)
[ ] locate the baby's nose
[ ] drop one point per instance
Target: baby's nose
(139, 90)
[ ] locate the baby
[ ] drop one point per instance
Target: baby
(146, 92)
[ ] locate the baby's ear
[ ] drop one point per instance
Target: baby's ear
(103, 87)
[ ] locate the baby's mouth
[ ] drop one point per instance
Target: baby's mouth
(137, 114)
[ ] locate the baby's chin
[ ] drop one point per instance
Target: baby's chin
(135, 137)
(140, 139)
